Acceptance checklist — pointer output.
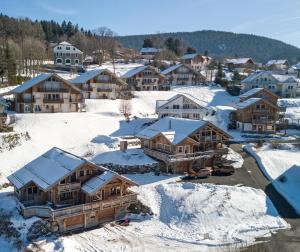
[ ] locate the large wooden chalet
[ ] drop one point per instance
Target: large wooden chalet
(196, 61)
(182, 74)
(70, 191)
(257, 111)
(144, 78)
(101, 84)
(183, 144)
(47, 93)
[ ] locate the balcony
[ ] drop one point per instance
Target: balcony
(53, 90)
(165, 157)
(181, 110)
(49, 212)
(46, 100)
(26, 100)
(69, 187)
(106, 90)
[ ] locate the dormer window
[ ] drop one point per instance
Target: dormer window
(67, 48)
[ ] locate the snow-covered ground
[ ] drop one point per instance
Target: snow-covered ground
(187, 217)
(282, 167)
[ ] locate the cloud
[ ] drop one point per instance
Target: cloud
(57, 10)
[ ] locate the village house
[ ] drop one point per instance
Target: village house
(280, 66)
(182, 74)
(284, 86)
(70, 192)
(144, 78)
(257, 111)
(149, 52)
(242, 65)
(182, 106)
(196, 61)
(101, 84)
(183, 144)
(47, 92)
(67, 55)
(3, 116)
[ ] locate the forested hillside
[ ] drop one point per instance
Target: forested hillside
(225, 44)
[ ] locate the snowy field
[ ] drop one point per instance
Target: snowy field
(282, 167)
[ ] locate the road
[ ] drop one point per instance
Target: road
(251, 175)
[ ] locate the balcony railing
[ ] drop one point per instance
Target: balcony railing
(181, 110)
(49, 212)
(263, 121)
(261, 111)
(53, 90)
(104, 90)
(69, 187)
(183, 156)
(46, 100)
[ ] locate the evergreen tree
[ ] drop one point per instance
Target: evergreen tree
(190, 50)
(147, 43)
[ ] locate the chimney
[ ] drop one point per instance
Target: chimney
(123, 146)
(170, 124)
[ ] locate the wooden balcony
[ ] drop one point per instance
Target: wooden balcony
(169, 158)
(45, 100)
(53, 90)
(48, 212)
(69, 187)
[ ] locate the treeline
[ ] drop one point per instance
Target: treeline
(26, 44)
(225, 44)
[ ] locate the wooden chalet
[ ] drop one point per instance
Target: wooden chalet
(196, 61)
(144, 78)
(101, 84)
(47, 93)
(240, 64)
(182, 74)
(183, 144)
(70, 192)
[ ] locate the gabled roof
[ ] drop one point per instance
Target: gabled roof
(251, 101)
(174, 129)
(161, 103)
(139, 69)
(238, 61)
(47, 170)
(276, 62)
(65, 43)
(189, 56)
(40, 78)
(150, 50)
(173, 68)
(254, 91)
(283, 78)
(94, 184)
(83, 78)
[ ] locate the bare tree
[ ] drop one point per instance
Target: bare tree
(125, 108)
(104, 44)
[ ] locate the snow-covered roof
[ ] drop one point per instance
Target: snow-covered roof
(65, 43)
(139, 69)
(250, 92)
(189, 56)
(276, 62)
(279, 77)
(95, 183)
(238, 61)
(202, 104)
(150, 50)
(171, 69)
(46, 170)
(174, 129)
(83, 78)
(247, 103)
(34, 81)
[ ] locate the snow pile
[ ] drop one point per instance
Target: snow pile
(187, 217)
(281, 166)
(235, 157)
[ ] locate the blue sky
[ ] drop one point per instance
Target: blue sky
(272, 18)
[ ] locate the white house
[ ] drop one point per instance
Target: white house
(283, 85)
(277, 65)
(182, 106)
(182, 74)
(149, 52)
(66, 54)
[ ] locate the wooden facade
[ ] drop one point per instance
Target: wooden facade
(198, 149)
(67, 206)
(49, 95)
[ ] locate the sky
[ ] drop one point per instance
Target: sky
(271, 18)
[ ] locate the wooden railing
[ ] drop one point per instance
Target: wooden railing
(49, 212)
(45, 100)
(184, 156)
(69, 187)
(53, 90)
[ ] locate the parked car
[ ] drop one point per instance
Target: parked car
(223, 170)
(200, 173)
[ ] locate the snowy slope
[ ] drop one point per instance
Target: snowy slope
(281, 162)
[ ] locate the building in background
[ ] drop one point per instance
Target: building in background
(67, 55)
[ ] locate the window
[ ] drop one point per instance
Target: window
(76, 55)
(197, 116)
(175, 106)
(66, 196)
(68, 54)
(73, 177)
(180, 149)
(32, 190)
(67, 48)
(253, 127)
(167, 148)
(81, 173)
(115, 190)
(68, 61)
(76, 61)
(159, 146)
(87, 172)
(63, 181)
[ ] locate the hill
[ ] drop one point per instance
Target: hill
(220, 44)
